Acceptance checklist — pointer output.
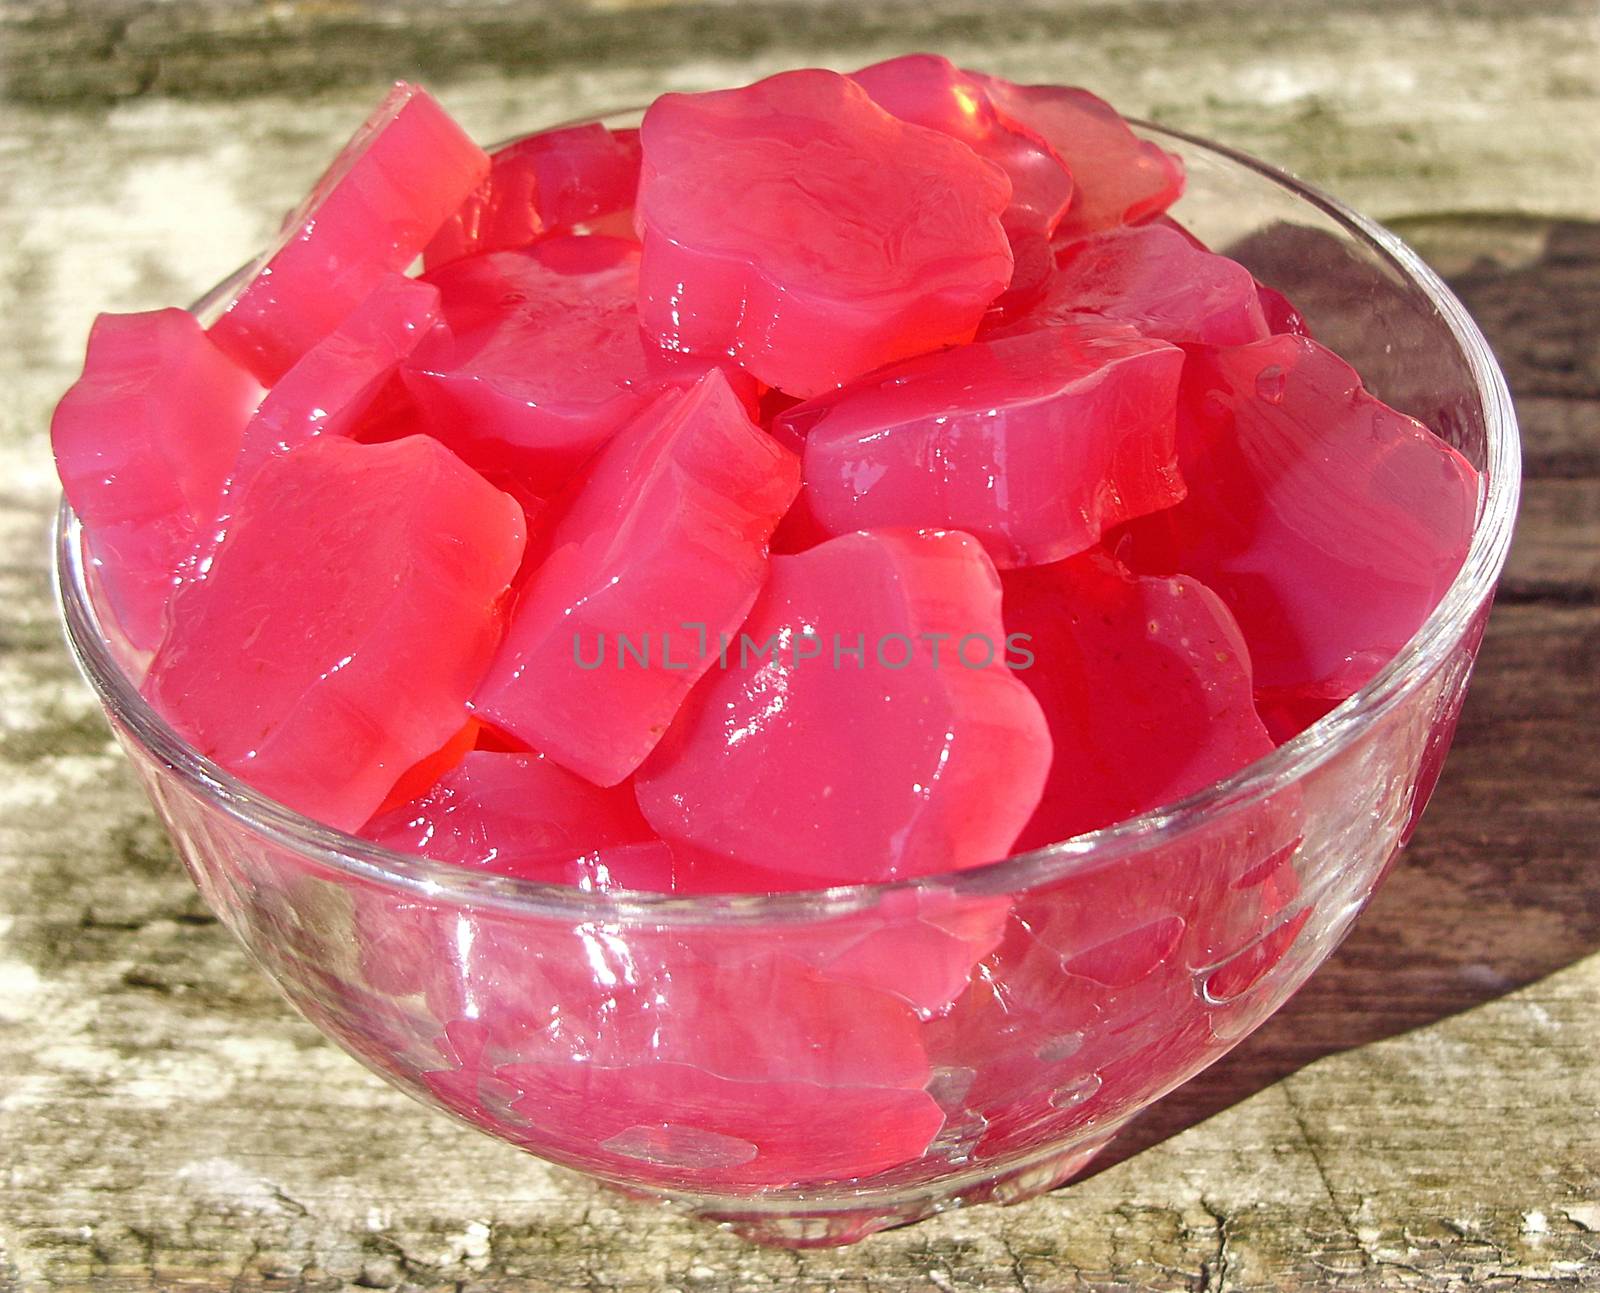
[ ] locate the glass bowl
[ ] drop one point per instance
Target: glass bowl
(812, 1067)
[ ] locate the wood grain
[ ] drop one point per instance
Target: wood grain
(1425, 1114)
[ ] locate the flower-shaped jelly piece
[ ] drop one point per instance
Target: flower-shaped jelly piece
(797, 227)
(144, 441)
(1035, 443)
(543, 359)
(931, 91)
(889, 643)
(344, 622)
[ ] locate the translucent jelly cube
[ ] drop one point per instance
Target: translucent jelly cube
(346, 619)
(666, 529)
(886, 642)
(1330, 524)
(144, 441)
(800, 229)
(402, 175)
(1035, 443)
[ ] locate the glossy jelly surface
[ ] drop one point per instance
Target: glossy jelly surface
(798, 228)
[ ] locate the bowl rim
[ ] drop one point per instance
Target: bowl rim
(133, 718)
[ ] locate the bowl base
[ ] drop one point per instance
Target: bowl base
(787, 1223)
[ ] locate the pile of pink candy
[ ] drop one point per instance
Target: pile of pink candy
(838, 479)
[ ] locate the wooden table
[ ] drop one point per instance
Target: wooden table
(1424, 1115)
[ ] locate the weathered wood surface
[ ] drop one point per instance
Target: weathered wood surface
(1424, 1115)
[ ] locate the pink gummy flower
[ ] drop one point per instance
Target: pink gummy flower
(798, 228)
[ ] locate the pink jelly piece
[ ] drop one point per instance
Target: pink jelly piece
(144, 441)
(799, 228)
(1119, 178)
(1330, 524)
(1289, 710)
(391, 415)
(674, 1123)
(644, 1054)
(931, 91)
(1145, 684)
(1035, 443)
(1034, 265)
(345, 620)
(764, 763)
(918, 946)
(502, 215)
(1157, 282)
(401, 176)
(1281, 314)
(342, 377)
(771, 1076)
(552, 180)
(1277, 311)
(520, 815)
(544, 358)
(666, 529)
(586, 173)
(799, 528)
(774, 1021)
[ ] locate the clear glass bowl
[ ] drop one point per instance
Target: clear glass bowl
(812, 1067)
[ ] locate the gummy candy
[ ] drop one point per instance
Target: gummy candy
(341, 377)
(521, 815)
(144, 442)
(764, 764)
(1330, 524)
(930, 91)
(1145, 684)
(1092, 1003)
(552, 180)
(798, 228)
(420, 777)
(320, 680)
(1035, 443)
(1118, 178)
(1280, 313)
(667, 528)
(401, 176)
(543, 359)
(767, 1077)
(1155, 280)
